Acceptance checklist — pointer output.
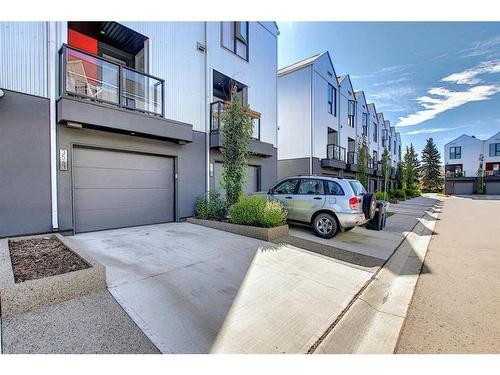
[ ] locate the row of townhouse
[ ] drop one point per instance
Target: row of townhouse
(321, 119)
(462, 159)
(106, 125)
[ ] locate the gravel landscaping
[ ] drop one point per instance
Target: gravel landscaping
(35, 258)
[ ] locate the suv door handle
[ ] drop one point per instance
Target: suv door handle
(317, 198)
(288, 197)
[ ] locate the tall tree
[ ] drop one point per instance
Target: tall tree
(386, 170)
(431, 178)
(363, 161)
(236, 131)
(399, 176)
(411, 165)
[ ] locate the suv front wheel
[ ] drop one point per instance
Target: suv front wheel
(325, 225)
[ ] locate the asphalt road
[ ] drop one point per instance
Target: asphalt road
(456, 304)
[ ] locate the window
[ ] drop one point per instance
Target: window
(456, 152)
(332, 100)
(351, 112)
(394, 148)
(495, 149)
(454, 170)
(389, 143)
(332, 188)
(235, 37)
(375, 156)
(311, 187)
(357, 187)
(286, 187)
(375, 132)
(365, 123)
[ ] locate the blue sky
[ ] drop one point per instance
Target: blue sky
(430, 79)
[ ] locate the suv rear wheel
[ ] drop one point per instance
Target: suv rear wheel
(325, 225)
(369, 206)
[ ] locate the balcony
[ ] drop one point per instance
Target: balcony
(256, 146)
(454, 174)
(95, 92)
(492, 173)
(352, 161)
(335, 157)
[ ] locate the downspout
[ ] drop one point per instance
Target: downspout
(311, 129)
(207, 115)
(52, 91)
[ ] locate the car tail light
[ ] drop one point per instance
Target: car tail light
(354, 203)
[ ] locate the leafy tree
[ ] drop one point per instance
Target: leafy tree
(386, 170)
(480, 176)
(411, 166)
(400, 175)
(431, 178)
(236, 131)
(363, 160)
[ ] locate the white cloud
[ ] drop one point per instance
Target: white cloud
(432, 130)
(488, 47)
(443, 99)
(470, 76)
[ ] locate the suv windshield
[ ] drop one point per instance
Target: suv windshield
(357, 187)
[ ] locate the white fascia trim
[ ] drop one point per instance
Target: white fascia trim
(52, 90)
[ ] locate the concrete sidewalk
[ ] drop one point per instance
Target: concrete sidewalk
(456, 305)
(91, 324)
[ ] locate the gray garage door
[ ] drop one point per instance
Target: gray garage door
(252, 179)
(113, 189)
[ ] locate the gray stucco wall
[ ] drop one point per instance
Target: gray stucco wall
(268, 167)
(190, 165)
(25, 205)
(300, 166)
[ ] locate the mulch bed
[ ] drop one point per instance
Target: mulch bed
(40, 257)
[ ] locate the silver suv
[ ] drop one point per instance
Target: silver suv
(328, 204)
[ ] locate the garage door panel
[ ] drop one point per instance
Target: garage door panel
(102, 158)
(113, 189)
(91, 178)
(251, 184)
(121, 198)
(90, 220)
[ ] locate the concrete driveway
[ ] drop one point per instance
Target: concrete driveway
(177, 281)
(193, 289)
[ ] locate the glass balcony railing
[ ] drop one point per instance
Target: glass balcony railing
(91, 77)
(335, 152)
(352, 157)
(370, 162)
(217, 110)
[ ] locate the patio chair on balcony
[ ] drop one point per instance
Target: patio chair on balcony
(78, 80)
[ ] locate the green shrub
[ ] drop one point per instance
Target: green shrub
(381, 196)
(201, 210)
(257, 211)
(247, 210)
(274, 214)
(215, 209)
(410, 192)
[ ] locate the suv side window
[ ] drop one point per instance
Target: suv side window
(312, 186)
(332, 188)
(286, 187)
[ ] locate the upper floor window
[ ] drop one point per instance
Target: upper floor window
(375, 132)
(495, 149)
(235, 37)
(332, 100)
(456, 152)
(351, 112)
(394, 148)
